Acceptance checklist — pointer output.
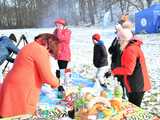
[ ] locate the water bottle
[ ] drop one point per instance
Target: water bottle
(118, 92)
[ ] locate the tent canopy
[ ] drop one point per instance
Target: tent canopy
(148, 20)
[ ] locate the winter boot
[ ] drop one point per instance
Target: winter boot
(61, 92)
(71, 114)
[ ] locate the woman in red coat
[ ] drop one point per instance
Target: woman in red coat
(21, 88)
(64, 36)
(133, 67)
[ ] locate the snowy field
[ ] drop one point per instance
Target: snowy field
(82, 52)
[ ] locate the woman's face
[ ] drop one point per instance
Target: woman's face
(60, 26)
(53, 48)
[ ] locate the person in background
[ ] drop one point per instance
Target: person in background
(21, 88)
(6, 48)
(133, 66)
(100, 58)
(64, 36)
(123, 18)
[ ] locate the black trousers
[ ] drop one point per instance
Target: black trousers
(136, 98)
(62, 64)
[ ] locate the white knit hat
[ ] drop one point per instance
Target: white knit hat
(124, 34)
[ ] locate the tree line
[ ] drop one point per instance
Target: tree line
(40, 13)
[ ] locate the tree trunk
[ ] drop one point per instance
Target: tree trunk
(111, 12)
(91, 11)
(149, 2)
(60, 11)
(121, 6)
(82, 10)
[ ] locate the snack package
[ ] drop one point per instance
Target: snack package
(53, 113)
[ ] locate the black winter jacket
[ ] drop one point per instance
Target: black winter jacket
(115, 52)
(100, 57)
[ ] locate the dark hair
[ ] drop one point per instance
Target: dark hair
(46, 36)
(13, 37)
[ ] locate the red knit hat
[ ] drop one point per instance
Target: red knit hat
(96, 36)
(60, 21)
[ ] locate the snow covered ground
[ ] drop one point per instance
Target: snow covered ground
(82, 52)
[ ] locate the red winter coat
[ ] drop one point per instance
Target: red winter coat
(0, 88)
(21, 88)
(133, 68)
(64, 37)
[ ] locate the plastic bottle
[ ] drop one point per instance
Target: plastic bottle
(62, 76)
(67, 79)
(118, 92)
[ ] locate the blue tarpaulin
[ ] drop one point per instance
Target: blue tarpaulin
(49, 96)
(148, 20)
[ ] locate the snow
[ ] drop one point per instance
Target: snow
(82, 53)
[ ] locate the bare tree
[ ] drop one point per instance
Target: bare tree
(60, 5)
(138, 5)
(149, 2)
(121, 6)
(91, 11)
(82, 5)
(31, 13)
(110, 9)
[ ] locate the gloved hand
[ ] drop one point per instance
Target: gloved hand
(58, 74)
(60, 88)
(107, 74)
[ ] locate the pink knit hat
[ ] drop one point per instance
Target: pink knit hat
(60, 21)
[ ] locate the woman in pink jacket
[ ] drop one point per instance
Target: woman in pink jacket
(64, 35)
(21, 88)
